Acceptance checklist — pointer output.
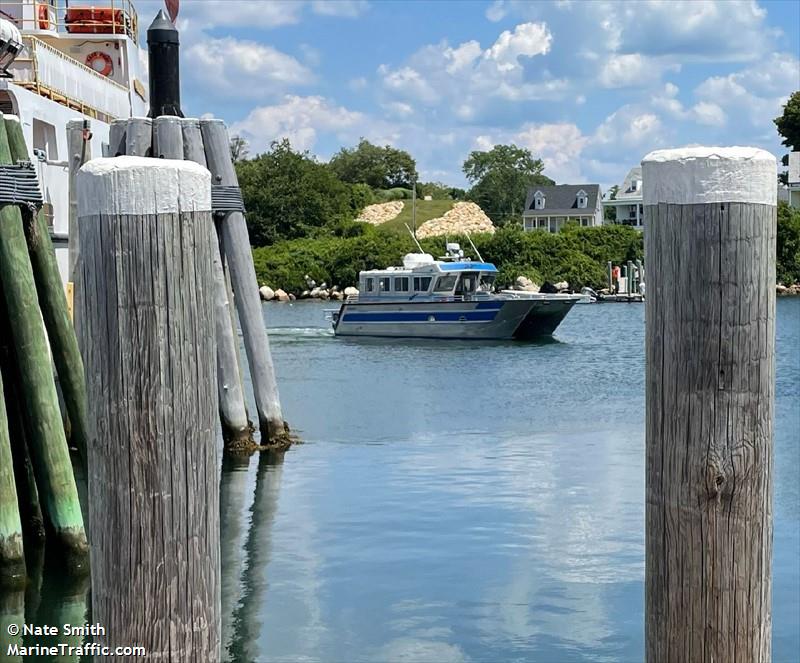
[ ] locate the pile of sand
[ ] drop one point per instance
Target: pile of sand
(381, 212)
(463, 218)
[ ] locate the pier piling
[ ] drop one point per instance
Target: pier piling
(48, 445)
(239, 258)
(710, 223)
(147, 247)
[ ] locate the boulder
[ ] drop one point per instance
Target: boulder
(781, 289)
(339, 296)
(281, 295)
(266, 293)
(315, 292)
(380, 212)
(305, 294)
(292, 297)
(324, 294)
(522, 282)
(531, 287)
(561, 286)
(350, 291)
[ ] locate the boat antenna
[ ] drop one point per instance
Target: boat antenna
(414, 237)
(474, 248)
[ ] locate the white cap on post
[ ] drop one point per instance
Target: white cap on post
(139, 185)
(690, 175)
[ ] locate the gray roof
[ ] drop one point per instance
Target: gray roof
(563, 199)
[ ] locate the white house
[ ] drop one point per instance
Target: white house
(551, 207)
(794, 179)
(627, 204)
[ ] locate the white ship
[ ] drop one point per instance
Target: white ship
(78, 60)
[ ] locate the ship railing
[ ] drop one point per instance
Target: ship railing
(57, 76)
(110, 17)
(429, 298)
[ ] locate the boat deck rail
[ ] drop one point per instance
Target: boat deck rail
(55, 75)
(66, 17)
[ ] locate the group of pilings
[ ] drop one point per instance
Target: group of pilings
(38, 492)
(235, 288)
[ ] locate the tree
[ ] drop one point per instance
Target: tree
(239, 149)
(610, 213)
(788, 123)
(500, 179)
(289, 194)
(788, 244)
(379, 167)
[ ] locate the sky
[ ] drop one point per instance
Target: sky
(590, 87)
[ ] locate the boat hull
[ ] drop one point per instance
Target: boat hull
(494, 319)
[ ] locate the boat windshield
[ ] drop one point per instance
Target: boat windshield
(446, 283)
(467, 283)
(486, 283)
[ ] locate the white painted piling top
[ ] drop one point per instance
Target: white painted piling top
(140, 185)
(710, 175)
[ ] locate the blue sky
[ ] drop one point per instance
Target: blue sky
(588, 86)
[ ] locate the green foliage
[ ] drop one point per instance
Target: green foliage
(577, 255)
(788, 123)
(439, 191)
(397, 193)
(289, 194)
(500, 179)
(426, 210)
(788, 264)
(378, 167)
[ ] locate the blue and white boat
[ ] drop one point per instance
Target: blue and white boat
(449, 298)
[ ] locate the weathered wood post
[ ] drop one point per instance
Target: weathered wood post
(710, 219)
(154, 486)
(236, 427)
(79, 147)
(239, 257)
(139, 137)
(48, 444)
(12, 556)
(117, 138)
(53, 304)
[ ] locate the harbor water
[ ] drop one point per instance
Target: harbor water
(464, 502)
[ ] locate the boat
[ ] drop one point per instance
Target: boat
(450, 298)
(66, 60)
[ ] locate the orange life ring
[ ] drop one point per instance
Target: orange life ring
(43, 12)
(98, 57)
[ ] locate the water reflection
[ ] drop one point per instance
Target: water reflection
(246, 553)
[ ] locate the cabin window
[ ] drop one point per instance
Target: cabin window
(446, 283)
(369, 285)
(401, 284)
(386, 284)
(467, 284)
(422, 283)
(486, 283)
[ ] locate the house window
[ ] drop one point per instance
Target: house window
(401, 284)
(529, 224)
(538, 200)
(422, 283)
(369, 285)
(583, 199)
(386, 284)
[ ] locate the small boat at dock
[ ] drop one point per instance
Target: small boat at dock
(449, 298)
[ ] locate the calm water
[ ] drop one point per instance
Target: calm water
(462, 502)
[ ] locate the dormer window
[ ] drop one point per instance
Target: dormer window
(583, 199)
(538, 200)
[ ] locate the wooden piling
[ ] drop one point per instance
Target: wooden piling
(48, 448)
(710, 223)
(236, 427)
(12, 555)
(117, 138)
(139, 137)
(154, 484)
(239, 258)
(79, 147)
(167, 137)
(53, 305)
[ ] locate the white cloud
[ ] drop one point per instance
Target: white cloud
(244, 68)
(345, 8)
(559, 145)
(704, 113)
(398, 108)
(300, 119)
(496, 11)
(467, 79)
(527, 39)
(632, 70)
(709, 114)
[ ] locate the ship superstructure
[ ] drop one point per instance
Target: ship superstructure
(78, 61)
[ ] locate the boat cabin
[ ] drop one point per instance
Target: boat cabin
(422, 276)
